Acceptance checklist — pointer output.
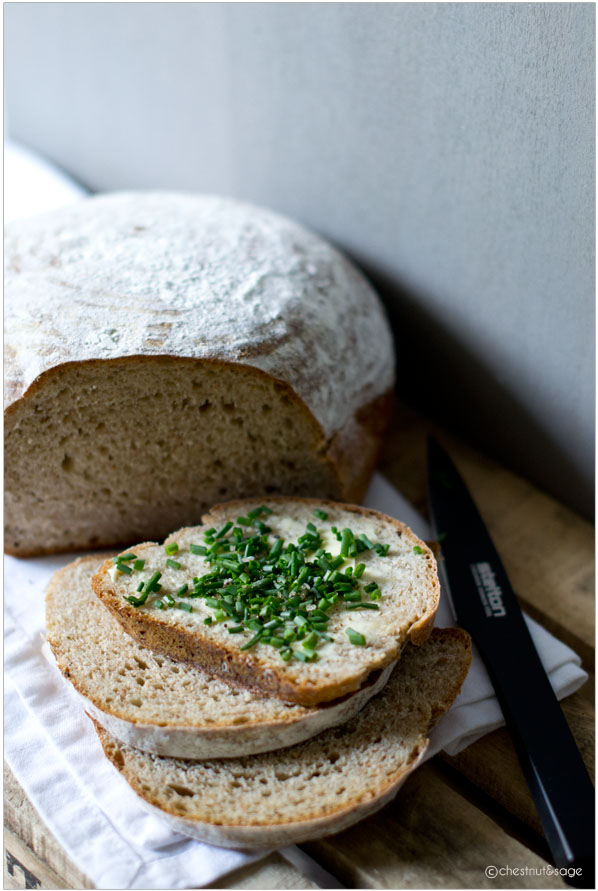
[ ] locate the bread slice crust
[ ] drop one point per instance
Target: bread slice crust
(387, 741)
(300, 684)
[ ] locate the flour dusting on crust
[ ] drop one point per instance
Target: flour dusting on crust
(159, 273)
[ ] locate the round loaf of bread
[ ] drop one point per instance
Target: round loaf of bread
(164, 351)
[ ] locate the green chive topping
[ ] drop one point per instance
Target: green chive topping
(122, 567)
(173, 564)
(346, 542)
(252, 642)
(417, 550)
(283, 593)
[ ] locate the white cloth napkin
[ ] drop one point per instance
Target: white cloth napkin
(56, 756)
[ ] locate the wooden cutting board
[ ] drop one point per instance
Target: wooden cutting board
(455, 816)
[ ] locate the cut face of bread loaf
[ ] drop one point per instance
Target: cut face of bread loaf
(358, 639)
(316, 788)
(166, 351)
(169, 708)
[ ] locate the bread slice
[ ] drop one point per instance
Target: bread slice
(165, 707)
(165, 351)
(316, 788)
(408, 599)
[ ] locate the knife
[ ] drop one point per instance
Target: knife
(485, 605)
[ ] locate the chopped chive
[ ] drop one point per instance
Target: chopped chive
(359, 571)
(208, 620)
(138, 564)
(381, 550)
(311, 640)
(286, 654)
(182, 590)
(276, 549)
(186, 606)
(235, 629)
(352, 595)
(355, 637)
(159, 605)
(140, 586)
(320, 514)
(168, 600)
(311, 528)
(365, 541)
(152, 583)
(274, 623)
(417, 550)
(305, 657)
(198, 549)
(171, 548)
(173, 564)
(122, 567)
(124, 558)
(224, 529)
(277, 642)
(252, 642)
(363, 605)
(346, 542)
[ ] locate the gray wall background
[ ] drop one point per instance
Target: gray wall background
(447, 147)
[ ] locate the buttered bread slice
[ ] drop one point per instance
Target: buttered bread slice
(293, 597)
(165, 707)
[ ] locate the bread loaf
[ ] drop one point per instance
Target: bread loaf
(239, 628)
(165, 707)
(164, 351)
(316, 788)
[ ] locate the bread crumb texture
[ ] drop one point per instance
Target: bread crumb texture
(339, 770)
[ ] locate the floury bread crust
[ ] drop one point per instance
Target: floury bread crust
(164, 351)
(410, 596)
(169, 708)
(316, 788)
